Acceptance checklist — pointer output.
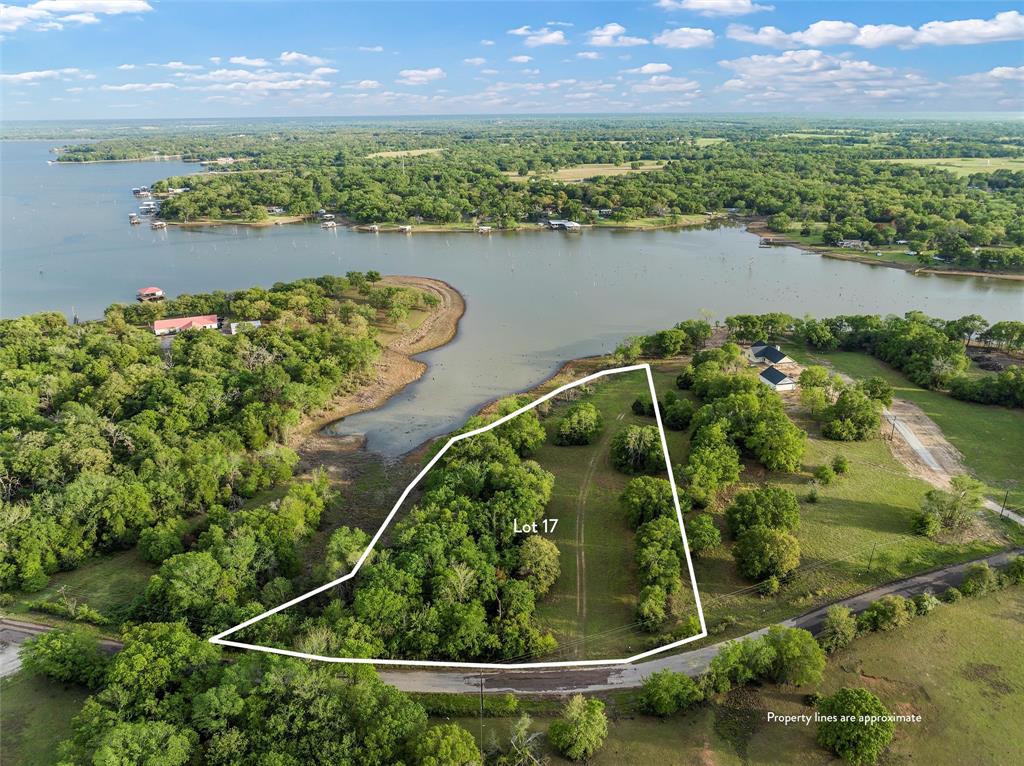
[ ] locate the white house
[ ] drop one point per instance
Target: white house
(237, 327)
(776, 379)
(762, 353)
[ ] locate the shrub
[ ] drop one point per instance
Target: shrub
(159, 543)
(1015, 570)
(702, 534)
(853, 417)
(840, 464)
(812, 494)
(926, 523)
(646, 498)
(763, 552)
(849, 737)
(925, 603)
(824, 474)
(650, 608)
(678, 415)
(839, 630)
(643, 405)
(581, 730)
(580, 425)
(769, 587)
(665, 692)
(69, 655)
(887, 613)
(979, 579)
(637, 449)
(768, 506)
(684, 380)
(952, 595)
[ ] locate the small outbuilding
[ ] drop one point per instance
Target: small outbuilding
(149, 294)
(562, 225)
(776, 379)
(237, 327)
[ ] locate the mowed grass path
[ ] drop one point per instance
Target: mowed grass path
(591, 608)
(964, 166)
(990, 438)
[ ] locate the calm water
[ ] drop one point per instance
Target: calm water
(532, 300)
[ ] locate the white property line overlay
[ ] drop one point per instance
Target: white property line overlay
(220, 637)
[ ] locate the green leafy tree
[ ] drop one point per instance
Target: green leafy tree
(70, 655)
(145, 742)
(581, 425)
(702, 534)
(637, 449)
(539, 563)
(446, 745)
(666, 692)
(581, 730)
(763, 552)
(770, 506)
(839, 630)
(851, 737)
(646, 498)
(853, 417)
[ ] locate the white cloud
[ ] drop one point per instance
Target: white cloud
(667, 84)
(43, 74)
(126, 67)
(487, 42)
(538, 37)
(612, 36)
(81, 18)
(651, 69)
(715, 7)
(215, 59)
(420, 76)
(1002, 27)
(367, 84)
(179, 66)
(294, 57)
(588, 55)
(323, 71)
(141, 87)
(488, 71)
(46, 15)
(521, 59)
(371, 48)
(74, 90)
(815, 77)
(475, 61)
(686, 37)
(559, 24)
(246, 61)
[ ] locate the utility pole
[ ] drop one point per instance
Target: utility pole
(892, 431)
(481, 711)
(872, 557)
(1002, 510)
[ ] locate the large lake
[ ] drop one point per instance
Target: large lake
(532, 300)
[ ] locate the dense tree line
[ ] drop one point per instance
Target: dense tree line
(455, 581)
(105, 434)
(502, 174)
(931, 352)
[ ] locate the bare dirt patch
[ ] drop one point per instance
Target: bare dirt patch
(947, 456)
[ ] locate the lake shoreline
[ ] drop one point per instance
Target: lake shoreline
(394, 370)
(759, 227)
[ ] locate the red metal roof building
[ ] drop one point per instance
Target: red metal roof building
(180, 324)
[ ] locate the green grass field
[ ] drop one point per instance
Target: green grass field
(591, 608)
(864, 517)
(958, 668)
(35, 717)
(991, 439)
(964, 166)
(104, 583)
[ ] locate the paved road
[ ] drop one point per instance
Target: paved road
(561, 681)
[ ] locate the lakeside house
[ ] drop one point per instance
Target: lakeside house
(149, 294)
(180, 324)
(559, 224)
(776, 379)
(328, 225)
(235, 327)
(405, 229)
(275, 210)
(852, 244)
(483, 229)
(763, 353)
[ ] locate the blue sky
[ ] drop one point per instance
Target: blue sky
(66, 59)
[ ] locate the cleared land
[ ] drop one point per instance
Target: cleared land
(958, 668)
(964, 166)
(991, 439)
(407, 152)
(589, 170)
(591, 607)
